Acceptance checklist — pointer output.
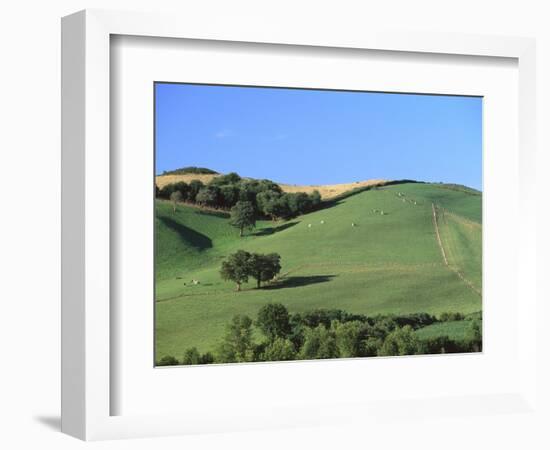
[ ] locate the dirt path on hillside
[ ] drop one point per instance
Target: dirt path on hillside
(445, 260)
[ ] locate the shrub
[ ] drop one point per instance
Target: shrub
(194, 187)
(279, 350)
(349, 338)
(207, 196)
(319, 343)
(371, 346)
(191, 356)
(167, 361)
(417, 320)
(206, 358)
(401, 341)
(273, 321)
(450, 316)
(474, 336)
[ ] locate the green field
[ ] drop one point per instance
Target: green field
(456, 330)
(389, 263)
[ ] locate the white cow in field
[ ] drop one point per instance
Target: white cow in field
(309, 225)
(322, 222)
(352, 224)
(195, 282)
(381, 213)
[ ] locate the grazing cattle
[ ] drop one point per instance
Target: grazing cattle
(352, 224)
(415, 202)
(381, 213)
(195, 282)
(322, 222)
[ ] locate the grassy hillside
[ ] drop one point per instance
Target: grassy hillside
(456, 330)
(387, 263)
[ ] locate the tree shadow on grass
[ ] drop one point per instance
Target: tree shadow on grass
(291, 282)
(192, 237)
(275, 229)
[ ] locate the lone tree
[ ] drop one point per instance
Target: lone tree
(175, 197)
(236, 268)
(264, 267)
(242, 216)
(274, 321)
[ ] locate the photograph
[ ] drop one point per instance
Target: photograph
(296, 224)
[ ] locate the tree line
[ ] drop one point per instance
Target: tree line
(324, 334)
(265, 197)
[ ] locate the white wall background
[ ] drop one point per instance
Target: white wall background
(30, 192)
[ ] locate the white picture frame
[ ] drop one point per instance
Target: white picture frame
(87, 325)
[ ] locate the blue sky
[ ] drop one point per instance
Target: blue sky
(319, 137)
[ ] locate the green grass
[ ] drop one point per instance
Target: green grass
(387, 263)
(454, 330)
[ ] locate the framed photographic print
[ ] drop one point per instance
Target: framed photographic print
(356, 250)
(266, 228)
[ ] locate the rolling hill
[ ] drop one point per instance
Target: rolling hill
(386, 263)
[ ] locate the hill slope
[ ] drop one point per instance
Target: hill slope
(389, 263)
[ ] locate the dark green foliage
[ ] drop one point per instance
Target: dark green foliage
(443, 344)
(298, 203)
(417, 320)
(236, 268)
(166, 191)
(279, 350)
(315, 199)
(191, 356)
(228, 195)
(207, 358)
(190, 169)
(241, 265)
(237, 345)
(194, 188)
(323, 334)
(208, 196)
(325, 317)
(401, 341)
(264, 267)
(371, 345)
(231, 178)
(319, 343)
(269, 203)
(225, 191)
(450, 317)
(474, 336)
(167, 361)
(350, 337)
(243, 216)
(273, 321)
